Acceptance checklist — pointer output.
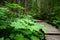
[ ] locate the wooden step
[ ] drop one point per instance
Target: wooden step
(52, 33)
(51, 29)
(52, 37)
(38, 20)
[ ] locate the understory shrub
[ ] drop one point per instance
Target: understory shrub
(13, 27)
(49, 12)
(54, 17)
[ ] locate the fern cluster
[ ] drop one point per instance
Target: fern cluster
(13, 27)
(27, 29)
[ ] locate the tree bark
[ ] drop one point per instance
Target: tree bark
(18, 2)
(38, 4)
(26, 6)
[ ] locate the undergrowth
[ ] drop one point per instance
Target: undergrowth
(13, 27)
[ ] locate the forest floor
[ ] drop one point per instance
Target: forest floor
(52, 33)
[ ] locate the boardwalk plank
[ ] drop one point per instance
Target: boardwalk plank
(52, 33)
(52, 37)
(51, 29)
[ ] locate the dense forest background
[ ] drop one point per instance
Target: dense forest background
(17, 18)
(47, 10)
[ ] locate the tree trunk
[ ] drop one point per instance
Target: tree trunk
(38, 4)
(18, 2)
(26, 6)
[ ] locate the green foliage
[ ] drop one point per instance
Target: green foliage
(53, 17)
(15, 6)
(35, 14)
(2, 38)
(49, 11)
(13, 27)
(35, 9)
(27, 23)
(5, 17)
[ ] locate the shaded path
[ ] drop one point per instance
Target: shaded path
(52, 33)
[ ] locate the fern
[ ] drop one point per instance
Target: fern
(13, 27)
(15, 6)
(26, 23)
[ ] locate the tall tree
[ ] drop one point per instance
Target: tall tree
(25, 6)
(18, 2)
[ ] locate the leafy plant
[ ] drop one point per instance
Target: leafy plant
(13, 27)
(15, 6)
(27, 23)
(50, 13)
(28, 28)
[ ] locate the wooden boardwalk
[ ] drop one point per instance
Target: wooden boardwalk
(52, 33)
(52, 37)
